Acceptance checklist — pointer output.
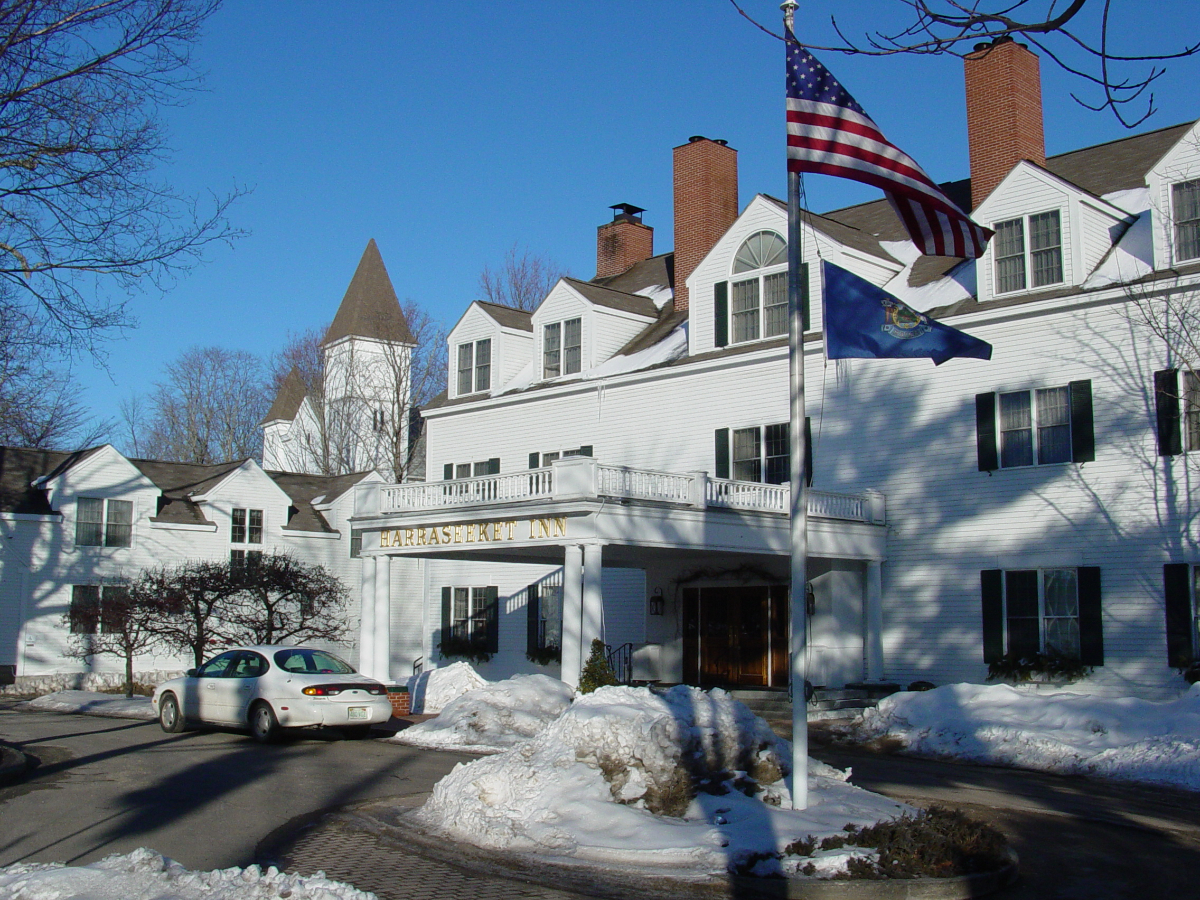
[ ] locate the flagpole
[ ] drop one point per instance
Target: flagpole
(797, 451)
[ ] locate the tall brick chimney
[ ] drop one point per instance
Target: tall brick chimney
(706, 204)
(623, 241)
(1004, 112)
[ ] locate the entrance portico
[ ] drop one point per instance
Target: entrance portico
(684, 531)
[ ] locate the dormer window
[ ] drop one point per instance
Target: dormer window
(758, 304)
(474, 367)
(1035, 263)
(1186, 208)
(562, 348)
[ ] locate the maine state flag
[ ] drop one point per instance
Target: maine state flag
(863, 321)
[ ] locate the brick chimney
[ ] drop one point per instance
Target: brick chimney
(623, 241)
(706, 204)
(1004, 112)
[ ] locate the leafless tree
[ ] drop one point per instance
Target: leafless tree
(1085, 38)
(192, 606)
(86, 217)
(522, 281)
(207, 409)
(122, 625)
(280, 599)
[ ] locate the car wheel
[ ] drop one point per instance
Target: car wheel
(264, 727)
(169, 716)
(356, 732)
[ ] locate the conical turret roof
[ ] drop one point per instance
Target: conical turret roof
(288, 400)
(370, 308)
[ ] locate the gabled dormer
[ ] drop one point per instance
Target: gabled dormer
(488, 347)
(1050, 234)
(1174, 184)
(103, 497)
(580, 325)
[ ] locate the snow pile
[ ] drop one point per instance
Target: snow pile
(93, 704)
(1132, 257)
(145, 875)
(674, 346)
(1125, 737)
(433, 689)
(496, 716)
(660, 294)
(684, 781)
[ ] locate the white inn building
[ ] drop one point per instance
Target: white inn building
(614, 465)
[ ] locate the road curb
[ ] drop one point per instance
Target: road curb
(13, 764)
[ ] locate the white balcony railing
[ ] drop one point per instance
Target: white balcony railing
(582, 478)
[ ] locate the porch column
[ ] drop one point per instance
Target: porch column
(572, 624)
(593, 600)
(366, 616)
(874, 620)
(383, 618)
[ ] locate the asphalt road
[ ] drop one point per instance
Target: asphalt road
(208, 799)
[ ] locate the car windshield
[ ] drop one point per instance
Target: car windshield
(311, 662)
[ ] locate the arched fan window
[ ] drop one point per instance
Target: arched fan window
(758, 305)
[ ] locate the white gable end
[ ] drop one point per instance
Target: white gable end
(1179, 165)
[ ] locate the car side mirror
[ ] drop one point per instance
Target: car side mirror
(192, 673)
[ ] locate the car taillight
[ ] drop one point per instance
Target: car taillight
(377, 689)
(323, 690)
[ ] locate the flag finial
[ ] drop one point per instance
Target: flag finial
(789, 13)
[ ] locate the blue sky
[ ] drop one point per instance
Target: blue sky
(447, 132)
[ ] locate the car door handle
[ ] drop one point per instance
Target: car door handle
(211, 686)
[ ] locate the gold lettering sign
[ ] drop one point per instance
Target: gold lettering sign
(475, 532)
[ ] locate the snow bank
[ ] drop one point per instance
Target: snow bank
(493, 717)
(93, 704)
(1125, 738)
(433, 689)
(614, 781)
(145, 875)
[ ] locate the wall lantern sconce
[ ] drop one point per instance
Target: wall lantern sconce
(656, 602)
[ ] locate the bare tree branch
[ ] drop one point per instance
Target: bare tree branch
(523, 280)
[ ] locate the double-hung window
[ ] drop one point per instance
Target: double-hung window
(1186, 211)
(474, 367)
(759, 453)
(758, 303)
(245, 527)
(1040, 427)
(1051, 611)
(470, 619)
(1181, 590)
(103, 523)
(562, 348)
(545, 598)
(1033, 263)
(95, 607)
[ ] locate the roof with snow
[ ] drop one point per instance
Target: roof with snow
(370, 308)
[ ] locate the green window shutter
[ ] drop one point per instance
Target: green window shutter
(447, 618)
(1177, 594)
(1083, 438)
(532, 620)
(493, 466)
(721, 313)
(985, 432)
(808, 451)
(805, 320)
(722, 453)
(535, 460)
(448, 472)
(1166, 412)
(1091, 624)
(492, 606)
(992, 590)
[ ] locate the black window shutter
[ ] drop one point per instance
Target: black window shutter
(1177, 594)
(448, 471)
(1091, 626)
(585, 450)
(1083, 437)
(447, 620)
(535, 460)
(722, 453)
(985, 432)
(532, 619)
(805, 320)
(1166, 411)
(721, 313)
(808, 451)
(493, 466)
(491, 601)
(991, 583)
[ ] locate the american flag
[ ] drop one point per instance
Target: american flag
(829, 133)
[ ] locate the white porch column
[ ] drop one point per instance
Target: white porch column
(874, 620)
(383, 619)
(593, 600)
(572, 624)
(366, 617)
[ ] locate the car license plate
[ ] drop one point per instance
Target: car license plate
(358, 712)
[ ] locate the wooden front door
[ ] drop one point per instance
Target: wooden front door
(735, 636)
